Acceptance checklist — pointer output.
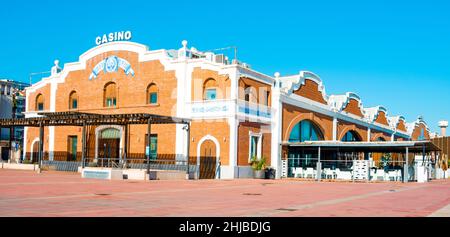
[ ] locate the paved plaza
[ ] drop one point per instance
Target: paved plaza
(26, 193)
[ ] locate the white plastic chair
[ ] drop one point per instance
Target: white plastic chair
(293, 170)
(310, 172)
(381, 175)
(327, 172)
(399, 175)
(345, 175)
(337, 173)
(298, 173)
(392, 175)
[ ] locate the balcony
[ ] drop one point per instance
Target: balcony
(211, 109)
(227, 108)
(254, 110)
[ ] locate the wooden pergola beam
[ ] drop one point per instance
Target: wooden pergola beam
(81, 119)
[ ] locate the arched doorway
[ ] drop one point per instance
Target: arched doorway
(109, 143)
(208, 160)
(35, 151)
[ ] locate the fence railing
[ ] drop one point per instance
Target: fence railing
(203, 167)
(67, 166)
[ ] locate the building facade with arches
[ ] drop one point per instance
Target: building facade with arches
(237, 113)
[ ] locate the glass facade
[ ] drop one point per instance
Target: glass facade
(305, 131)
(351, 136)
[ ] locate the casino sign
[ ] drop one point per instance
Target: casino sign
(115, 36)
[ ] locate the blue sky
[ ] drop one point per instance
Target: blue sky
(391, 54)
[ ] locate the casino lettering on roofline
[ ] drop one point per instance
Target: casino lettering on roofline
(115, 36)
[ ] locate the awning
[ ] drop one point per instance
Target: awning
(397, 146)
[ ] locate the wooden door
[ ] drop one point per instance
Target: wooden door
(208, 160)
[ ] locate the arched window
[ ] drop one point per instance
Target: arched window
(73, 100)
(110, 95)
(152, 94)
(210, 89)
(381, 139)
(40, 102)
(306, 130)
(351, 136)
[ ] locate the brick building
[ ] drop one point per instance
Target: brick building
(237, 113)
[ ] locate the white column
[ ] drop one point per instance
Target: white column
(276, 128)
(51, 130)
(369, 131)
(393, 137)
(335, 123)
(184, 75)
(51, 142)
(231, 171)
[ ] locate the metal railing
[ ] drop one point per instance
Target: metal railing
(157, 164)
(66, 166)
(104, 162)
(141, 164)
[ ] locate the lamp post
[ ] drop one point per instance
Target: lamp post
(11, 129)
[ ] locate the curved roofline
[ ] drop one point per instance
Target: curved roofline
(293, 83)
(394, 121)
(340, 102)
(411, 126)
(371, 114)
(114, 46)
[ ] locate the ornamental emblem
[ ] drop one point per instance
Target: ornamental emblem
(112, 64)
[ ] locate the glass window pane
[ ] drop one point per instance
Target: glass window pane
(305, 131)
(74, 104)
(153, 146)
(253, 146)
(295, 134)
(314, 135)
(153, 98)
(210, 94)
(305, 128)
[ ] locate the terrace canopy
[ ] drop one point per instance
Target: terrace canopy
(330, 147)
(381, 147)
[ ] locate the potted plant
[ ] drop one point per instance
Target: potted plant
(385, 161)
(258, 166)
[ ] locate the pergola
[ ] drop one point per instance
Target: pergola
(405, 147)
(72, 118)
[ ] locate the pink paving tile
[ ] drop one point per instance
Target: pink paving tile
(24, 193)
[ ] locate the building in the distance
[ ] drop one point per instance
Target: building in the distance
(12, 105)
(237, 113)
